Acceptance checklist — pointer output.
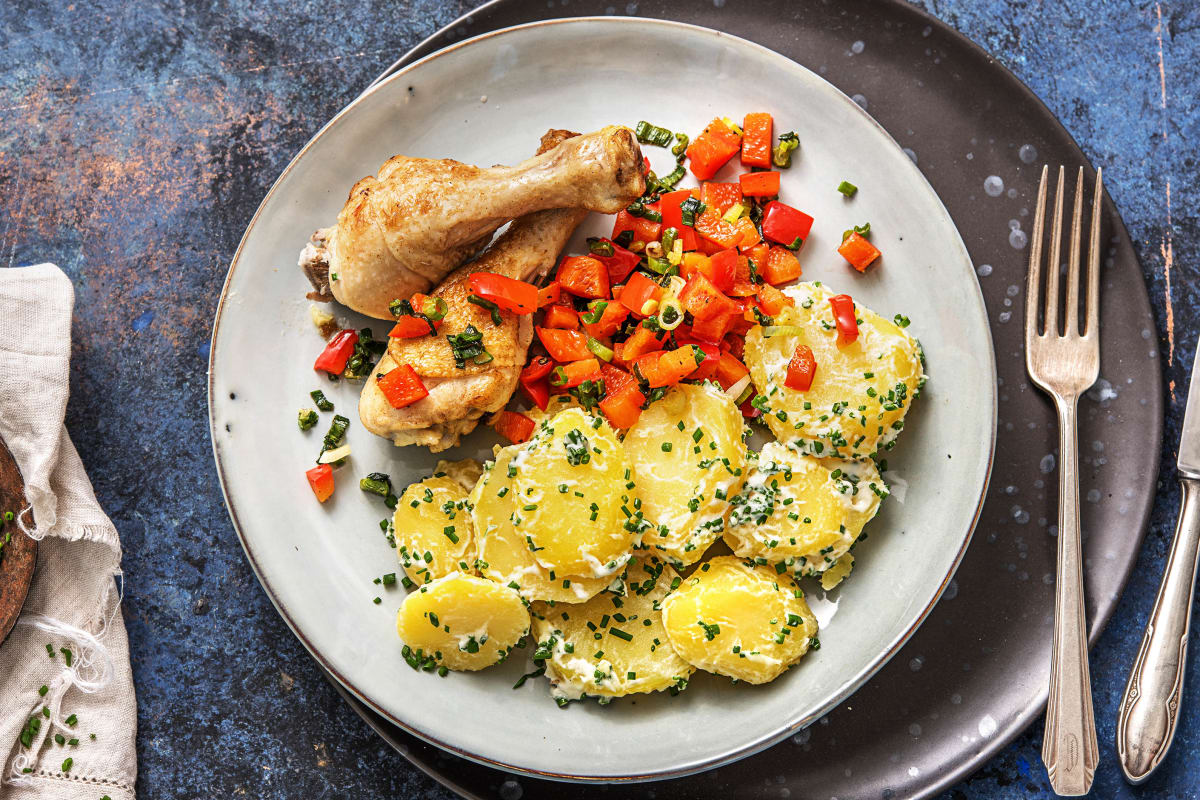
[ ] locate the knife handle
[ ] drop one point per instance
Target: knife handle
(1150, 707)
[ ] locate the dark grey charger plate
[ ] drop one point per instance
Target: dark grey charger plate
(975, 674)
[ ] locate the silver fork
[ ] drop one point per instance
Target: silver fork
(1065, 364)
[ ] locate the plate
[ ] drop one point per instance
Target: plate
(975, 674)
(20, 553)
(487, 101)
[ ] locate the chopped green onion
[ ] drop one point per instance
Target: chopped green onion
(681, 143)
(468, 346)
(599, 247)
(670, 313)
(595, 311)
(306, 418)
(861, 230)
(319, 398)
(734, 213)
(638, 209)
(782, 155)
(337, 430)
(669, 236)
(673, 177)
(486, 304)
(690, 209)
(658, 265)
(435, 308)
(376, 483)
(847, 188)
(652, 134)
(599, 349)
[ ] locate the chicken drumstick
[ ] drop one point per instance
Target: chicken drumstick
(401, 231)
(459, 397)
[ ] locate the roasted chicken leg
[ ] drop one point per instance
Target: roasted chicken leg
(401, 231)
(459, 397)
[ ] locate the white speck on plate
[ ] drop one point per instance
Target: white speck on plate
(970, 156)
(860, 100)
(857, 47)
(955, 699)
(987, 725)
(1046, 465)
(1027, 153)
(1020, 515)
(914, 729)
(1011, 193)
(1018, 239)
(911, 154)
(1014, 224)
(951, 590)
(1005, 316)
(1013, 290)
(1093, 496)
(913, 772)
(1102, 392)
(916, 663)
(993, 185)
(984, 270)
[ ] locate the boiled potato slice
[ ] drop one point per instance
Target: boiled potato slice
(504, 556)
(860, 392)
(688, 460)
(462, 622)
(612, 645)
(574, 497)
(736, 618)
(800, 511)
(433, 530)
(831, 577)
(466, 472)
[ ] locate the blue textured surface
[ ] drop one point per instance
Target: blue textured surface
(134, 147)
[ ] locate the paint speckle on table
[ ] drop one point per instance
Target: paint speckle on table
(983, 270)
(1028, 153)
(857, 47)
(1018, 239)
(993, 185)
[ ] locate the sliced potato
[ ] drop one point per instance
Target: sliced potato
(736, 618)
(462, 622)
(504, 556)
(800, 511)
(831, 577)
(612, 645)
(466, 472)
(860, 392)
(433, 530)
(574, 497)
(688, 461)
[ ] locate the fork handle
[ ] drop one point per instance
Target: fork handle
(1149, 710)
(1069, 748)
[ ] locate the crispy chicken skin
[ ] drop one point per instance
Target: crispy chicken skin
(458, 398)
(402, 230)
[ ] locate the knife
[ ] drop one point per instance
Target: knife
(1149, 708)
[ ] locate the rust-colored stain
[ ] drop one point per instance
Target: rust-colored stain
(1167, 247)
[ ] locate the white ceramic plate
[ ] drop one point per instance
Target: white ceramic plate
(487, 101)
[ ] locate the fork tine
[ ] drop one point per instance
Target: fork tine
(1071, 309)
(1033, 285)
(1052, 269)
(1093, 290)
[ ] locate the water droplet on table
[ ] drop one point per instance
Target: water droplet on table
(993, 185)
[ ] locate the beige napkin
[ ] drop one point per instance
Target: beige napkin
(74, 603)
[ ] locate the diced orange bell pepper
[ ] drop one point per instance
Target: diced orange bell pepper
(615, 378)
(320, 479)
(691, 263)
(858, 251)
(730, 370)
(564, 345)
(771, 300)
(641, 342)
(760, 184)
(622, 408)
(560, 316)
(549, 294)
(637, 292)
(749, 233)
(519, 297)
(517, 428)
(712, 227)
(712, 357)
(704, 300)
(583, 276)
(643, 229)
(757, 133)
(781, 266)
(709, 151)
(571, 375)
(715, 328)
(720, 196)
(721, 269)
(611, 320)
(743, 286)
(402, 386)
(666, 368)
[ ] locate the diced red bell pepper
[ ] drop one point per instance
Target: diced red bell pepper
(715, 328)
(757, 133)
(771, 300)
(583, 276)
(786, 225)
(709, 248)
(549, 294)
(672, 217)
(623, 407)
(712, 227)
(335, 355)
(538, 367)
(736, 346)
(620, 263)
(760, 184)
(720, 196)
(801, 369)
(509, 294)
(643, 229)
(615, 378)
(560, 316)
(748, 410)
(571, 375)
(517, 428)
(742, 285)
(845, 318)
(320, 479)
(611, 320)
(402, 386)
(666, 368)
(410, 327)
(721, 269)
(704, 300)
(858, 251)
(781, 266)
(709, 151)
(712, 357)
(564, 345)
(641, 342)
(730, 370)
(538, 392)
(637, 292)
(749, 234)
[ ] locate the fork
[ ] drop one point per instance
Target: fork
(1065, 362)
